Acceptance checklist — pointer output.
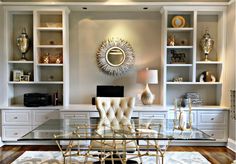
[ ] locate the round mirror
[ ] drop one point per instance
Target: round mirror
(115, 56)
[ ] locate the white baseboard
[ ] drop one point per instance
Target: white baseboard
(1, 143)
(231, 145)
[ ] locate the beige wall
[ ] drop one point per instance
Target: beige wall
(89, 29)
(230, 78)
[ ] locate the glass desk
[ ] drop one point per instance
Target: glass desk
(154, 134)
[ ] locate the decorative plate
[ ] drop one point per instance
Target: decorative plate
(178, 22)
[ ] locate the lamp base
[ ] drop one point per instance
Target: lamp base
(147, 97)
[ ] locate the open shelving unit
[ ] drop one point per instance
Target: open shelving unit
(187, 39)
(47, 29)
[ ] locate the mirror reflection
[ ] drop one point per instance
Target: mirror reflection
(115, 56)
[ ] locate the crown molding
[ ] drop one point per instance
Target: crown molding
(118, 3)
(230, 2)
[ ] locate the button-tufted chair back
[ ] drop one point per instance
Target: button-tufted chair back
(114, 111)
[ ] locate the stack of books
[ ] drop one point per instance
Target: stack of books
(195, 98)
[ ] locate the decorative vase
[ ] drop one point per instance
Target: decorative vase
(147, 97)
(23, 43)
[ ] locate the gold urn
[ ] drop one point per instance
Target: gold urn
(206, 44)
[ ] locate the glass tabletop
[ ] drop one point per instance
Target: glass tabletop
(136, 129)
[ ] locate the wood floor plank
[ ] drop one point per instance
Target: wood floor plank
(215, 155)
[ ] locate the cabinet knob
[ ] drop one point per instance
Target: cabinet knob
(212, 118)
(15, 117)
(212, 134)
(15, 134)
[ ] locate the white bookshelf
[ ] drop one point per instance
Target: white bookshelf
(197, 19)
(47, 28)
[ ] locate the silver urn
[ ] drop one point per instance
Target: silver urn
(206, 44)
(23, 43)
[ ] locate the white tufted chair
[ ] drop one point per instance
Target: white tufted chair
(114, 112)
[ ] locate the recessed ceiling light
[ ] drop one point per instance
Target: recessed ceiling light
(84, 8)
(145, 8)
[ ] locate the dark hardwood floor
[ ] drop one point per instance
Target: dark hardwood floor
(216, 155)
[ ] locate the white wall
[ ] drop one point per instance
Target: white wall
(1, 62)
(230, 78)
(89, 29)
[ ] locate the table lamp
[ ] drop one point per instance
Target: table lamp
(147, 76)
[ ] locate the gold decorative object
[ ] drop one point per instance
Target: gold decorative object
(206, 44)
(23, 43)
(181, 120)
(178, 21)
(207, 77)
(46, 59)
(58, 60)
(171, 40)
(147, 77)
(115, 56)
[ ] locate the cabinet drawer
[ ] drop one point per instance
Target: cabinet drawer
(147, 115)
(12, 133)
(74, 115)
(218, 134)
(16, 117)
(212, 118)
(41, 116)
(171, 115)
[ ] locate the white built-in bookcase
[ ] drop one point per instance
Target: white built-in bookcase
(197, 20)
(47, 29)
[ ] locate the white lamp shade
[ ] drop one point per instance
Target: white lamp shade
(148, 76)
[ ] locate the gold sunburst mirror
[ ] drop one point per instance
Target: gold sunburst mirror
(115, 56)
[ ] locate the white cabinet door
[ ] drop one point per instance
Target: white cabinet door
(74, 115)
(41, 116)
(16, 117)
(212, 118)
(219, 134)
(80, 116)
(12, 133)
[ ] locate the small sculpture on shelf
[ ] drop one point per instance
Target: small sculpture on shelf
(46, 59)
(171, 40)
(177, 57)
(178, 79)
(58, 59)
(23, 44)
(206, 44)
(207, 77)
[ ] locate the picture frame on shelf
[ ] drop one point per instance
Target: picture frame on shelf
(17, 75)
(25, 78)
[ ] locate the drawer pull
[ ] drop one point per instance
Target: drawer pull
(212, 118)
(15, 134)
(212, 134)
(15, 118)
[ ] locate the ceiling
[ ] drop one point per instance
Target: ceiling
(115, 0)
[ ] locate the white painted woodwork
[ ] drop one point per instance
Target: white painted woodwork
(19, 117)
(17, 120)
(38, 22)
(12, 133)
(41, 116)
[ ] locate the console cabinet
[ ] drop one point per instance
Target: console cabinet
(16, 123)
(211, 121)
